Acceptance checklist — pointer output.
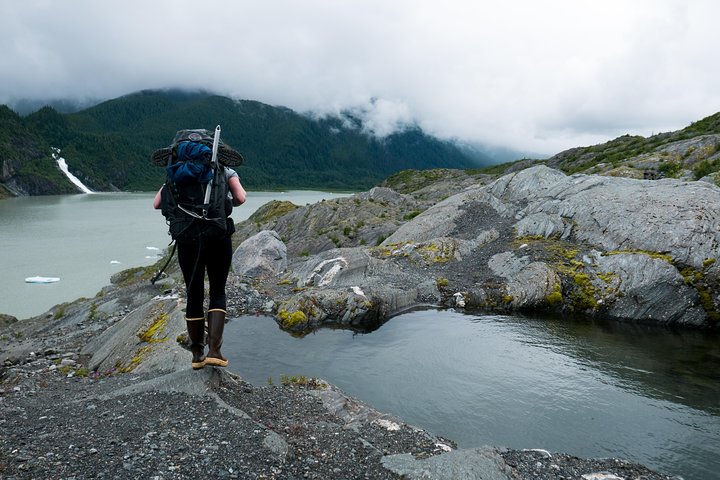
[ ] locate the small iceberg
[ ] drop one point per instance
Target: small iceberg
(153, 248)
(42, 279)
(115, 262)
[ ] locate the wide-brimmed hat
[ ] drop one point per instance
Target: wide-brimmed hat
(226, 155)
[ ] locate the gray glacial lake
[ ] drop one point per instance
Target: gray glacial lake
(649, 395)
(85, 239)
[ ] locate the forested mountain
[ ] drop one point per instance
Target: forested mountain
(108, 146)
(25, 161)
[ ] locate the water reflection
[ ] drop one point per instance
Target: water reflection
(595, 390)
(680, 366)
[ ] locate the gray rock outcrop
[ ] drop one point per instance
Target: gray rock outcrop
(536, 239)
(261, 254)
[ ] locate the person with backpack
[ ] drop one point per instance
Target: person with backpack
(196, 199)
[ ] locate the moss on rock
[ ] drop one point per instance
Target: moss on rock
(292, 319)
(272, 210)
(152, 334)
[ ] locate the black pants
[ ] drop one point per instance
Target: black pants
(212, 256)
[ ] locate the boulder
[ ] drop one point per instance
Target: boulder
(263, 254)
(6, 320)
(669, 216)
(649, 289)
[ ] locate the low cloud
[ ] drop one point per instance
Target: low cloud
(534, 76)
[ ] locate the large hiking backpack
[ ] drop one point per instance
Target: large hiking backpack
(190, 173)
(226, 155)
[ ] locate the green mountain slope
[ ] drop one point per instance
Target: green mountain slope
(689, 154)
(692, 152)
(26, 164)
(108, 146)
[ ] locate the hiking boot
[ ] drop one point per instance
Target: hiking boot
(216, 325)
(196, 334)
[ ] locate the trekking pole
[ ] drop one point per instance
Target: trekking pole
(213, 163)
(159, 274)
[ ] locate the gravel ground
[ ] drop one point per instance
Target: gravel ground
(542, 465)
(59, 421)
(56, 424)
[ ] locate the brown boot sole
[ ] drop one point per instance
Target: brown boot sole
(198, 365)
(216, 362)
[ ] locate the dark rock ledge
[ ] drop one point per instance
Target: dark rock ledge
(102, 388)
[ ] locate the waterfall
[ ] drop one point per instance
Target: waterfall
(62, 164)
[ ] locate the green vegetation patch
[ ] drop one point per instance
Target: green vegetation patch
(155, 329)
(302, 382)
(705, 168)
(390, 250)
(134, 275)
(696, 279)
(76, 371)
(433, 252)
(140, 354)
(272, 210)
(583, 297)
(408, 181)
(670, 169)
(92, 314)
(555, 297)
(577, 289)
(411, 215)
(658, 255)
(292, 319)
(60, 311)
(430, 252)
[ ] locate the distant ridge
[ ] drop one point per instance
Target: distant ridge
(692, 153)
(108, 145)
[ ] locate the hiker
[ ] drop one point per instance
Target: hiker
(202, 231)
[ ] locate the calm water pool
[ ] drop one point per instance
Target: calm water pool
(649, 395)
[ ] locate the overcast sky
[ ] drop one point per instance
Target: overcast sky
(534, 75)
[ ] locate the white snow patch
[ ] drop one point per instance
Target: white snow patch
(358, 291)
(601, 476)
(328, 277)
(459, 299)
(166, 297)
(388, 425)
(64, 167)
(443, 447)
(539, 450)
(339, 262)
